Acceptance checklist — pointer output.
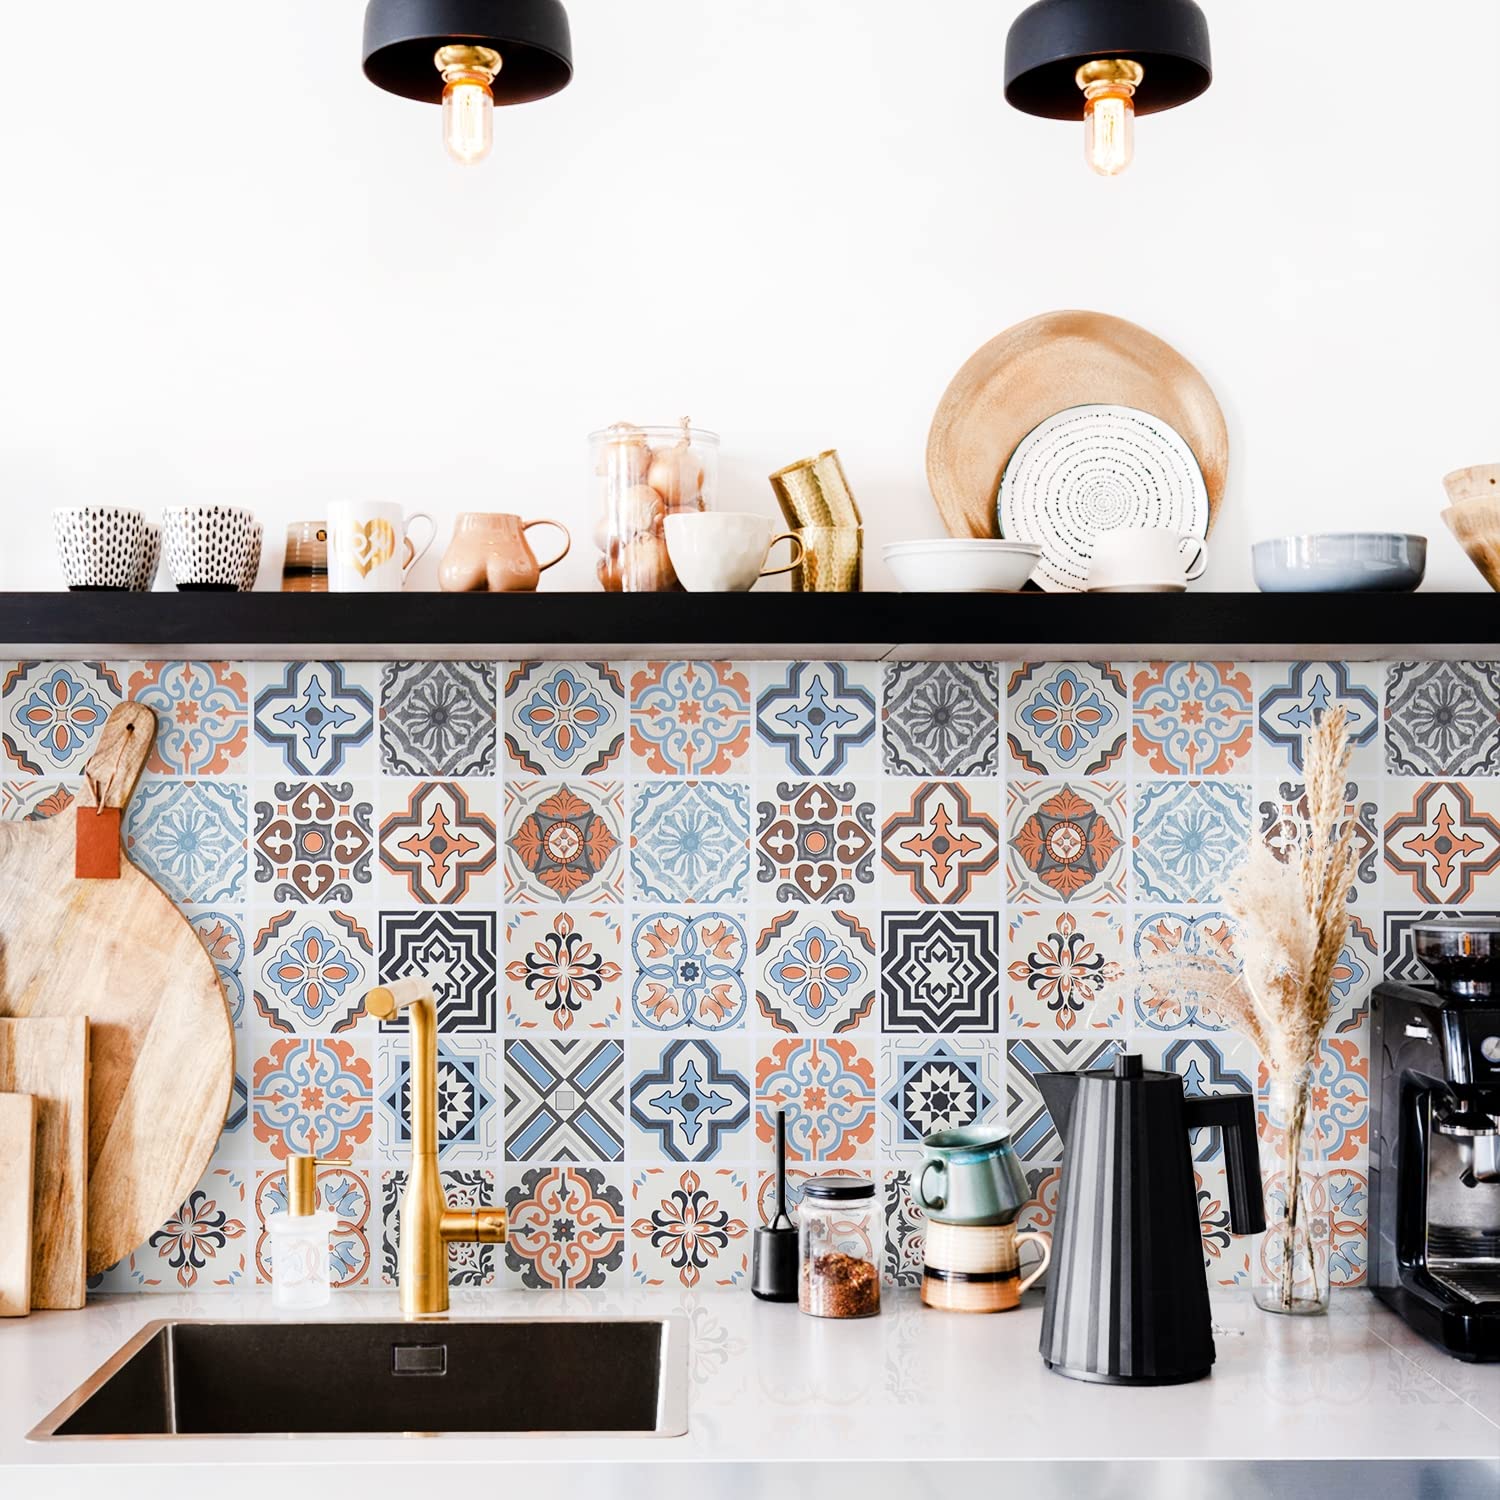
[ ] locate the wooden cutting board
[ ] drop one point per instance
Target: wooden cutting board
(17, 1158)
(49, 1059)
(121, 954)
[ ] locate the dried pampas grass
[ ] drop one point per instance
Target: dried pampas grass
(1293, 919)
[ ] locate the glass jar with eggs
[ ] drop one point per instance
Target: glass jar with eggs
(642, 475)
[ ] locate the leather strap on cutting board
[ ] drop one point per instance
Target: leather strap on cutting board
(118, 952)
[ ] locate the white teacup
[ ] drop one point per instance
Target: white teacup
(724, 551)
(1145, 559)
(366, 539)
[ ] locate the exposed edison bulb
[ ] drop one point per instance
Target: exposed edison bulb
(1109, 87)
(468, 101)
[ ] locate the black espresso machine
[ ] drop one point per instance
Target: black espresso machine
(1435, 1148)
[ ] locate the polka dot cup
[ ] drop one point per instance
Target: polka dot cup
(146, 562)
(100, 545)
(252, 557)
(207, 546)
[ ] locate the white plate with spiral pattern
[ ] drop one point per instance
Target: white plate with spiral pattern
(1091, 469)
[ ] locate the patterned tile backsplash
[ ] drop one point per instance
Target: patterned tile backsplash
(672, 897)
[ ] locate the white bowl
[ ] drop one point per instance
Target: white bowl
(956, 565)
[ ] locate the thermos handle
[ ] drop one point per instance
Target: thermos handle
(1234, 1114)
(931, 1201)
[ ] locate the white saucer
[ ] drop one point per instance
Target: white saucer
(1137, 588)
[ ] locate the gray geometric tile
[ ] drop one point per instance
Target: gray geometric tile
(941, 718)
(437, 718)
(1442, 718)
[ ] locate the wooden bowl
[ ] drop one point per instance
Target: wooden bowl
(1476, 524)
(1479, 482)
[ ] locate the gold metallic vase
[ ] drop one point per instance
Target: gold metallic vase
(833, 560)
(815, 497)
(814, 492)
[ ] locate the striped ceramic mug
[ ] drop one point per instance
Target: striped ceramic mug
(977, 1267)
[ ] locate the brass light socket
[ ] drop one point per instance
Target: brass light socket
(1110, 70)
(456, 62)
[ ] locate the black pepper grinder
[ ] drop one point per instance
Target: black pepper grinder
(773, 1265)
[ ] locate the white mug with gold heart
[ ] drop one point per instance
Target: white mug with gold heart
(366, 542)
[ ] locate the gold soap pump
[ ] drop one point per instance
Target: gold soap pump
(299, 1237)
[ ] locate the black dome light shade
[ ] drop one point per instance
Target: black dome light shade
(402, 38)
(1050, 40)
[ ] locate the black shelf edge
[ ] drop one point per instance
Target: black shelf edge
(773, 624)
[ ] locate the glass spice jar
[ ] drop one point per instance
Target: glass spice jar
(642, 475)
(837, 1233)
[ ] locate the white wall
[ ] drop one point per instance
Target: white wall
(253, 277)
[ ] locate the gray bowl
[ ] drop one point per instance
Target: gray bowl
(1341, 562)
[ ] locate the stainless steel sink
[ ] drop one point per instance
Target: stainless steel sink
(180, 1379)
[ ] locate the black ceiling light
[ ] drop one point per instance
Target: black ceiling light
(466, 55)
(1106, 60)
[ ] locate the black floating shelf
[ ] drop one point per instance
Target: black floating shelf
(770, 624)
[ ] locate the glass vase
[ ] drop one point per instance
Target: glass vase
(1292, 1259)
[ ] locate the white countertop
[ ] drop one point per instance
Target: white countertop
(769, 1384)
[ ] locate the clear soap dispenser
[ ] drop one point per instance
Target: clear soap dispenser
(299, 1237)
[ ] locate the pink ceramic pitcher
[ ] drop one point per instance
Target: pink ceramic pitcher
(490, 552)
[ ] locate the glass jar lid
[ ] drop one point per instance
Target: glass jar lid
(838, 1189)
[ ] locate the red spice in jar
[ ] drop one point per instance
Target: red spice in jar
(839, 1286)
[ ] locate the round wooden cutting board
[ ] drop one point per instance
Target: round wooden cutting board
(119, 953)
(1047, 365)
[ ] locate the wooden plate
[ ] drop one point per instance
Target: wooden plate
(1041, 367)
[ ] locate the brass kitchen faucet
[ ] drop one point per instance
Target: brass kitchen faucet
(427, 1225)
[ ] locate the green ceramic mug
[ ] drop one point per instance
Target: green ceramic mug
(971, 1176)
